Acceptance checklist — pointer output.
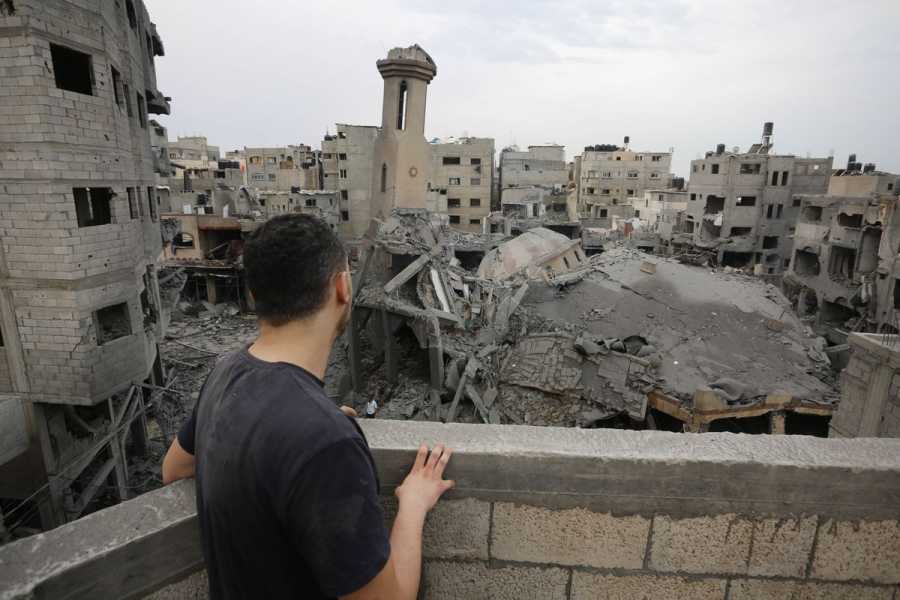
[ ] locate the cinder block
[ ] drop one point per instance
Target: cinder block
(568, 537)
(858, 551)
(781, 547)
(475, 581)
(453, 529)
(761, 589)
(587, 586)
(705, 545)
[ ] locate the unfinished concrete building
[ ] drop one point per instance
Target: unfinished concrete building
(193, 152)
(462, 170)
(347, 158)
(283, 168)
(870, 388)
(80, 307)
(611, 176)
(741, 206)
(845, 246)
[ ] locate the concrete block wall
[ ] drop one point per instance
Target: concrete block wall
(870, 389)
(550, 513)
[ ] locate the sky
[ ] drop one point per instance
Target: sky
(682, 74)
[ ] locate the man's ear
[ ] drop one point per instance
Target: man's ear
(343, 287)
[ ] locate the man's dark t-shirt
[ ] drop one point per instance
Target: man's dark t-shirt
(287, 494)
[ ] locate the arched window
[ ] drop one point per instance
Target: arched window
(401, 107)
(383, 177)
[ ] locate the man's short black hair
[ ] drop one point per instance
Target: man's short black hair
(289, 263)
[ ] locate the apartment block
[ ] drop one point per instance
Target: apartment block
(610, 175)
(80, 309)
(462, 169)
(193, 152)
(347, 158)
(659, 206)
(844, 249)
(743, 205)
(283, 168)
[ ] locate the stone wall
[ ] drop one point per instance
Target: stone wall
(561, 513)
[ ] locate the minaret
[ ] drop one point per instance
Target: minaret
(402, 156)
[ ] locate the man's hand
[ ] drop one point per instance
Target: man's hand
(425, 484)
(349, 411)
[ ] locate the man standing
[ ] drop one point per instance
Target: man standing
(287, 493)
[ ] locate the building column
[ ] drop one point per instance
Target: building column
(873, 409)
(212, 293)
(776, 422)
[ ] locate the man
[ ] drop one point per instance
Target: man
(287, 494)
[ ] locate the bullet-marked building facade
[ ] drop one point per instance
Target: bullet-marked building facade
(80, 309)
(347, 158)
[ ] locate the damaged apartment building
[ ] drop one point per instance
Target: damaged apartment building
(462, 170)
(610, 177)
(742, 206)
(534, 189)
(347, 169)
(846, 245)
(81, 310)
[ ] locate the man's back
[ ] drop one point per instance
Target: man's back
(286, 488)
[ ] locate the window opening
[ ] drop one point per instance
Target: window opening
(72, 69)
(93, 206)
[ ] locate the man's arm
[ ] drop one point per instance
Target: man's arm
(179, 460)
(420, 491)
(178, 464)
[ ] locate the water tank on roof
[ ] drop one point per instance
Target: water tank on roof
(627, 139)
(851, 160)
(869, 168)
(768, 128)
(720, 149)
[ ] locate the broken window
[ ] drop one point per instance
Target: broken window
(474, 221)
(116, 85)
(475, 161)
(142, 111)
(853, 221)
(93, 206)
(868, 251)
(453, 203)
(342, 156)
(784, 177)
(714, 205)
(770, 241)
(151, 202)
(715, 169)
(629, 192)
(769, 209)
(602, 213)
(693, 196)
(590, 190)
(454, 181)
(774, 177)
(842, 261)
(132, 16)
(738, 260)
(739, 231)
(401, 106)
(454, 219)
(112, 322)
(451, 160)
(345, 215)
(475, 181)
(72, 69)
(750, 168)
(746, 201)
(183, 240)
(779, 211)
(796, 202)
(475, 202)
(345, 195)
(812, 213)
(132, 202)
(637, 213)
(806, 263)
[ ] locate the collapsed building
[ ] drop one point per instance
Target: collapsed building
(846, 245)
(82, 305)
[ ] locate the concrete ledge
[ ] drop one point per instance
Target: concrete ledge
(649, 472)
(561, 511)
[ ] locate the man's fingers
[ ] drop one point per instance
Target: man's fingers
(442, 463)
(435, 456)
(350, 412)
(421, 455)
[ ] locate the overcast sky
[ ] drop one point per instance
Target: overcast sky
(686, 74)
